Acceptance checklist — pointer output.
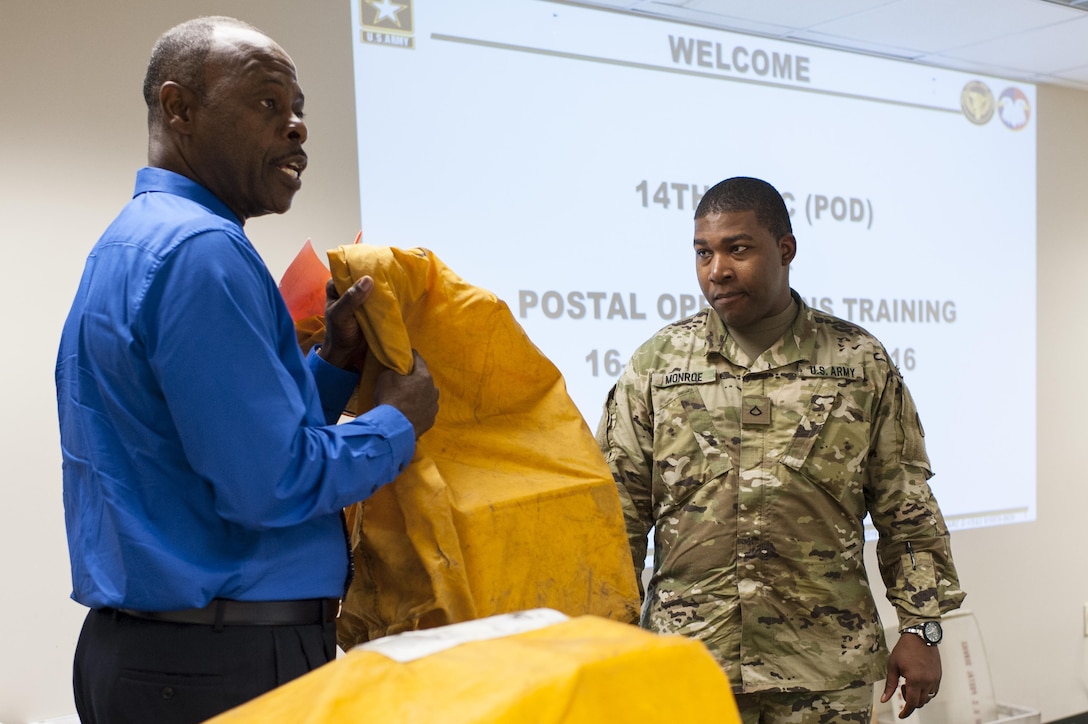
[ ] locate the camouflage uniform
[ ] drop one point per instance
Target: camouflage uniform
(757, 480)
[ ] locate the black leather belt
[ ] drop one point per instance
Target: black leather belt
(225, 612)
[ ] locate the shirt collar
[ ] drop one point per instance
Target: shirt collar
(798, 343)
(152, 179)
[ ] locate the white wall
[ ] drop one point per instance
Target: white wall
(72, 124)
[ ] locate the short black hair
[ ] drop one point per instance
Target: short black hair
(179, 55)
(743, 193)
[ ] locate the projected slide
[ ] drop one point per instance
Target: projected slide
(554, 154)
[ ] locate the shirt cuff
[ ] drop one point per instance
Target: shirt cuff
(334, 385)
(397, 431)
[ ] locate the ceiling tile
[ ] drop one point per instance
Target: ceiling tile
(864, 46)
(933, 26)
(739, 24)
(1046, 50)
(796, 14)
(972, 66)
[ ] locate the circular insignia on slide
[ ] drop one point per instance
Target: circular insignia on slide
(1014, 109)
(977, 102)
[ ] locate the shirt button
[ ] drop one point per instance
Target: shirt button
(167, 692)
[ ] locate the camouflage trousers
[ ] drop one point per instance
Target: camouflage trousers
(852, 705)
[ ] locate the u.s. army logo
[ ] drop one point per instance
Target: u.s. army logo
(387, 22)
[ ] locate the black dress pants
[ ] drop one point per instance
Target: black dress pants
(131, 670)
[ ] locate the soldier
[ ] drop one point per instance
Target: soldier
(754, 437)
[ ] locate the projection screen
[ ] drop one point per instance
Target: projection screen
(553, 154)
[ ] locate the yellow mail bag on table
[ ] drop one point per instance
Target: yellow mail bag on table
(585, 670)
(508, 504)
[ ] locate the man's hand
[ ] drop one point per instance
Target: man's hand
(345, 346)
(919, 666)
(414, 394)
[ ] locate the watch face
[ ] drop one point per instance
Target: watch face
(932, 633)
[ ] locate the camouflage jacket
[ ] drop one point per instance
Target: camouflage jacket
(757, 481)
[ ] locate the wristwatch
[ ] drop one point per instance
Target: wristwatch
(930, 631)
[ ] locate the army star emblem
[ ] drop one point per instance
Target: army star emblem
(387, 10)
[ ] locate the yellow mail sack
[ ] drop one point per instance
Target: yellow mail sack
(508, 504)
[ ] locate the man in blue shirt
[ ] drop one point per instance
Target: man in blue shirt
(204, 474)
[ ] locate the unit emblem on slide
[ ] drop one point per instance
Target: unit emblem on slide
(977, 102)
(1014, 109)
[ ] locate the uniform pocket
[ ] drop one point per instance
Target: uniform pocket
(830, 444)
(688, 447)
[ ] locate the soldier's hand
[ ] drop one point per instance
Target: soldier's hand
(414, 394)
(345, 346)
(920, 668)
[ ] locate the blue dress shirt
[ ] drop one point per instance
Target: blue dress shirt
(200, 455)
